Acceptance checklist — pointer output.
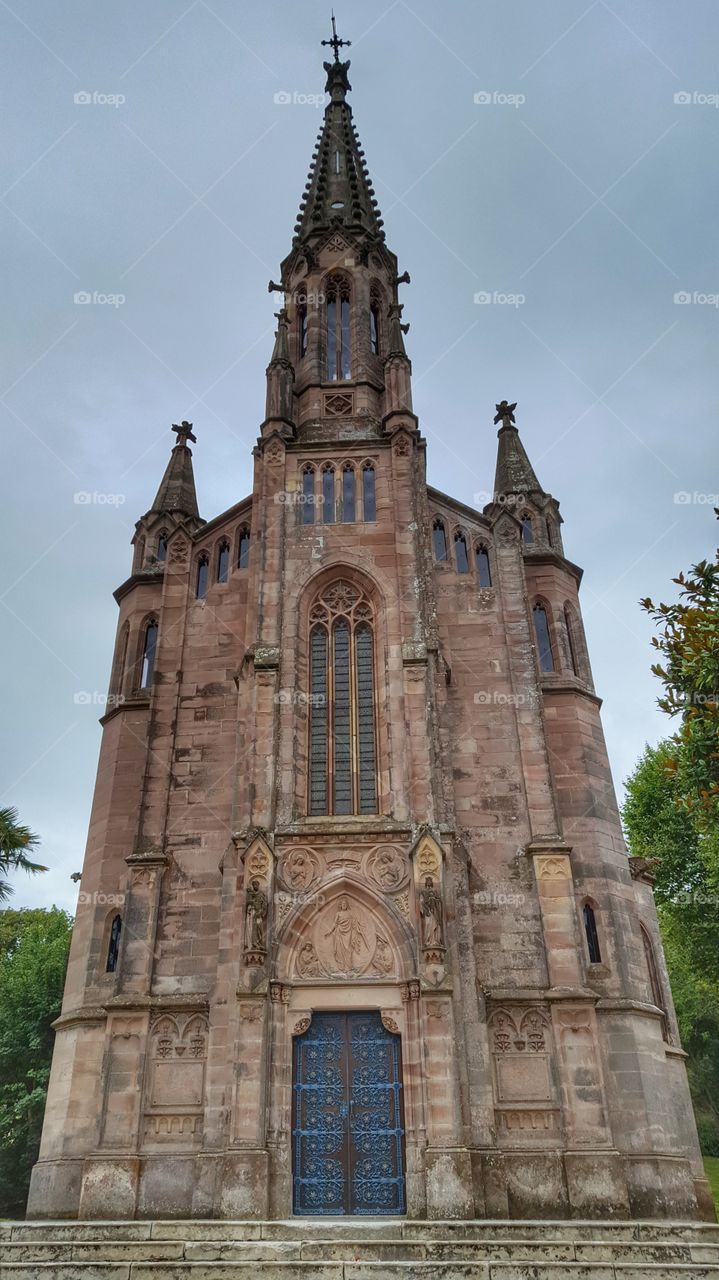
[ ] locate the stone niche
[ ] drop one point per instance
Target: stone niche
(175, 1085)
(526, 1108)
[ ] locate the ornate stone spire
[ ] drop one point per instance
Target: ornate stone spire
(176, 494)
(514, 473)
(338, 190)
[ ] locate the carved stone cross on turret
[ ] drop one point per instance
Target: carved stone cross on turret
(184, 432)
(505, 413)
(335, 43)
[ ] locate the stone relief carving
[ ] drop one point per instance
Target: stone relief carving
(301, 1026)
(255, 922)
(176, 1076)
(350, 938)
(388, 1022)
(386, 867)
(299, 868)
(178, 551)
(553, 867)
(251, 1011)
(431, 911)
(308, 962)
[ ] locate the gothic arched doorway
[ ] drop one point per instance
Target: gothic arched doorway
(347, 1117)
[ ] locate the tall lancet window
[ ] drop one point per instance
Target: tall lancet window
(149, 649)
(302, 323)
(342, 728)
(543, 638)
(338, 329)
(375, 306)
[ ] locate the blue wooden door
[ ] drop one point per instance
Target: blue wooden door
(347, 1126)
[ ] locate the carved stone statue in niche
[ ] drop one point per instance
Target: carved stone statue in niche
(255, 918)
(430, 909)
(349, 940)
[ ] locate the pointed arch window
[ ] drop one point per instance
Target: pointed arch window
(591, 934)
(338, 329)
(439, 540)
(223, 561)
(349, 497)
(302, 324)
(369, 500)
(375, 307)
(328, 495)
(243, 548)
(484, 572)
(113, 950)
(149, 649)
(308, 495)
(460, 552)
(527, 528)
(543, 638)
(162, 546)
(203, 573)
(342, 729)
(139, 555)
(654, 980)
(569, 627)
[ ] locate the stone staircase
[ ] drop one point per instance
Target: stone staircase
(359, 1249)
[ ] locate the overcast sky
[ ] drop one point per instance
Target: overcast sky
(537, 152)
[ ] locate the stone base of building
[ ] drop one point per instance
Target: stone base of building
(446, 1183)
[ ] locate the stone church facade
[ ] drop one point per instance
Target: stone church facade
(358, 931)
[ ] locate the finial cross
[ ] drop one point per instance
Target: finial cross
(505, 413)
(335, 42)
(184, 432)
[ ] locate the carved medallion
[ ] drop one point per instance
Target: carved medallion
(553, 867)
(299, 869)
(387, 868)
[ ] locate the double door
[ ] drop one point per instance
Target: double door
(347, 1123)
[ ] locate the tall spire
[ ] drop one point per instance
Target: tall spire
(514, 473)
(176, 494)
(338, 188)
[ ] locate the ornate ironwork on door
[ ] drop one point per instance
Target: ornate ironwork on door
(348, 1135)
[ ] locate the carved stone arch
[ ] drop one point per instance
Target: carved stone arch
(503, 1028)
(344, 933)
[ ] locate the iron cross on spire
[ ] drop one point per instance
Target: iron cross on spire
(335, 42)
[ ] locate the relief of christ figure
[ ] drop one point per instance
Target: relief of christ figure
(348, 938)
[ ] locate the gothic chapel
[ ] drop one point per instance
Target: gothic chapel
(375, 945)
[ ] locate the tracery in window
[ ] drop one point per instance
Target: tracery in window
(527, 528)
(337, 293)
(369, 501)
(348, 494)
(342, 732)
(439, 540)
(484, 573)
(328, 494)
(223, 561)
(460, 552)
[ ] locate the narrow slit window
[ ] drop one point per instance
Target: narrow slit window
(591, 934)
(527, 529)
(366, 750)
(328, 495)
(308, 495)
(484, 573)
(203, 567)
(543, 638)
(162, 547)
(302, 326)
(149, 649)
(439, 540)
(243, 549)
(223, 562)
(113, 950)
(369, 503)
(342, 719)
(348, 495)
(460, 553)
(374, 314)
(571, 640)
(319, 708)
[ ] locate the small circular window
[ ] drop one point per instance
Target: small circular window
(337, 204)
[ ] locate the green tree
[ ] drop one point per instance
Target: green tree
(34, 947)
(16, 842)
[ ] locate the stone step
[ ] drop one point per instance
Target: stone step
(330, 1250)
(361, 1229)
(350, 1270)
